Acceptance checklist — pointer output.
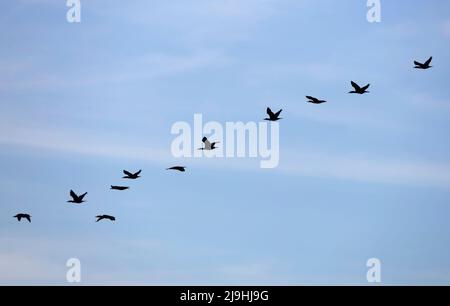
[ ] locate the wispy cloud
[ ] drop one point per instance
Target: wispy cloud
(347, 116)
(44, 261)
(446, 28)
(313, 163)
(22, 268)
(368, 169)
(252, 273)
(267, 73)
(71, 142)
(427, 102)
(23, 76)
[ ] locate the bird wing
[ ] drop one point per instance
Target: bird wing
(127, 173)
(311, 98)
(356, 86)
(82, 196)
(366, 87)
(73, 195)
(428, 62)
(137, 173)
(207, 143)
(278, 113)
(417, 63)
(270, 113)
(176, 168)
(28, 218)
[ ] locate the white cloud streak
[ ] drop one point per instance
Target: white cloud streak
(368, 169)
(307, 163)
(22, 76)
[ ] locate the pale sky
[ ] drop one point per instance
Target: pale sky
(359, 177)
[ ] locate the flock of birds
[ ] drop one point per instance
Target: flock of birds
(208, 146)
(79, 199)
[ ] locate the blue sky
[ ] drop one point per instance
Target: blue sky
(359, 177)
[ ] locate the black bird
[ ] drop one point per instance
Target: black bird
(131, 176)
(425, 65)
(99, 218)
(119, 187)
(315, 100)
(209, 146)
(77, 199)
(24, 216)
(272, 116)
(177, 168)
(359, 90)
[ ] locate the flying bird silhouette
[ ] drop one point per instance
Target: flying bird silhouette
(119, 187)
(76, 199)
(209, 146)
(177, 168)
(101, 217)
(131, 176)
(24, 216)
(358, 89)
(314, 100)
(273, 116)
(425, 65)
